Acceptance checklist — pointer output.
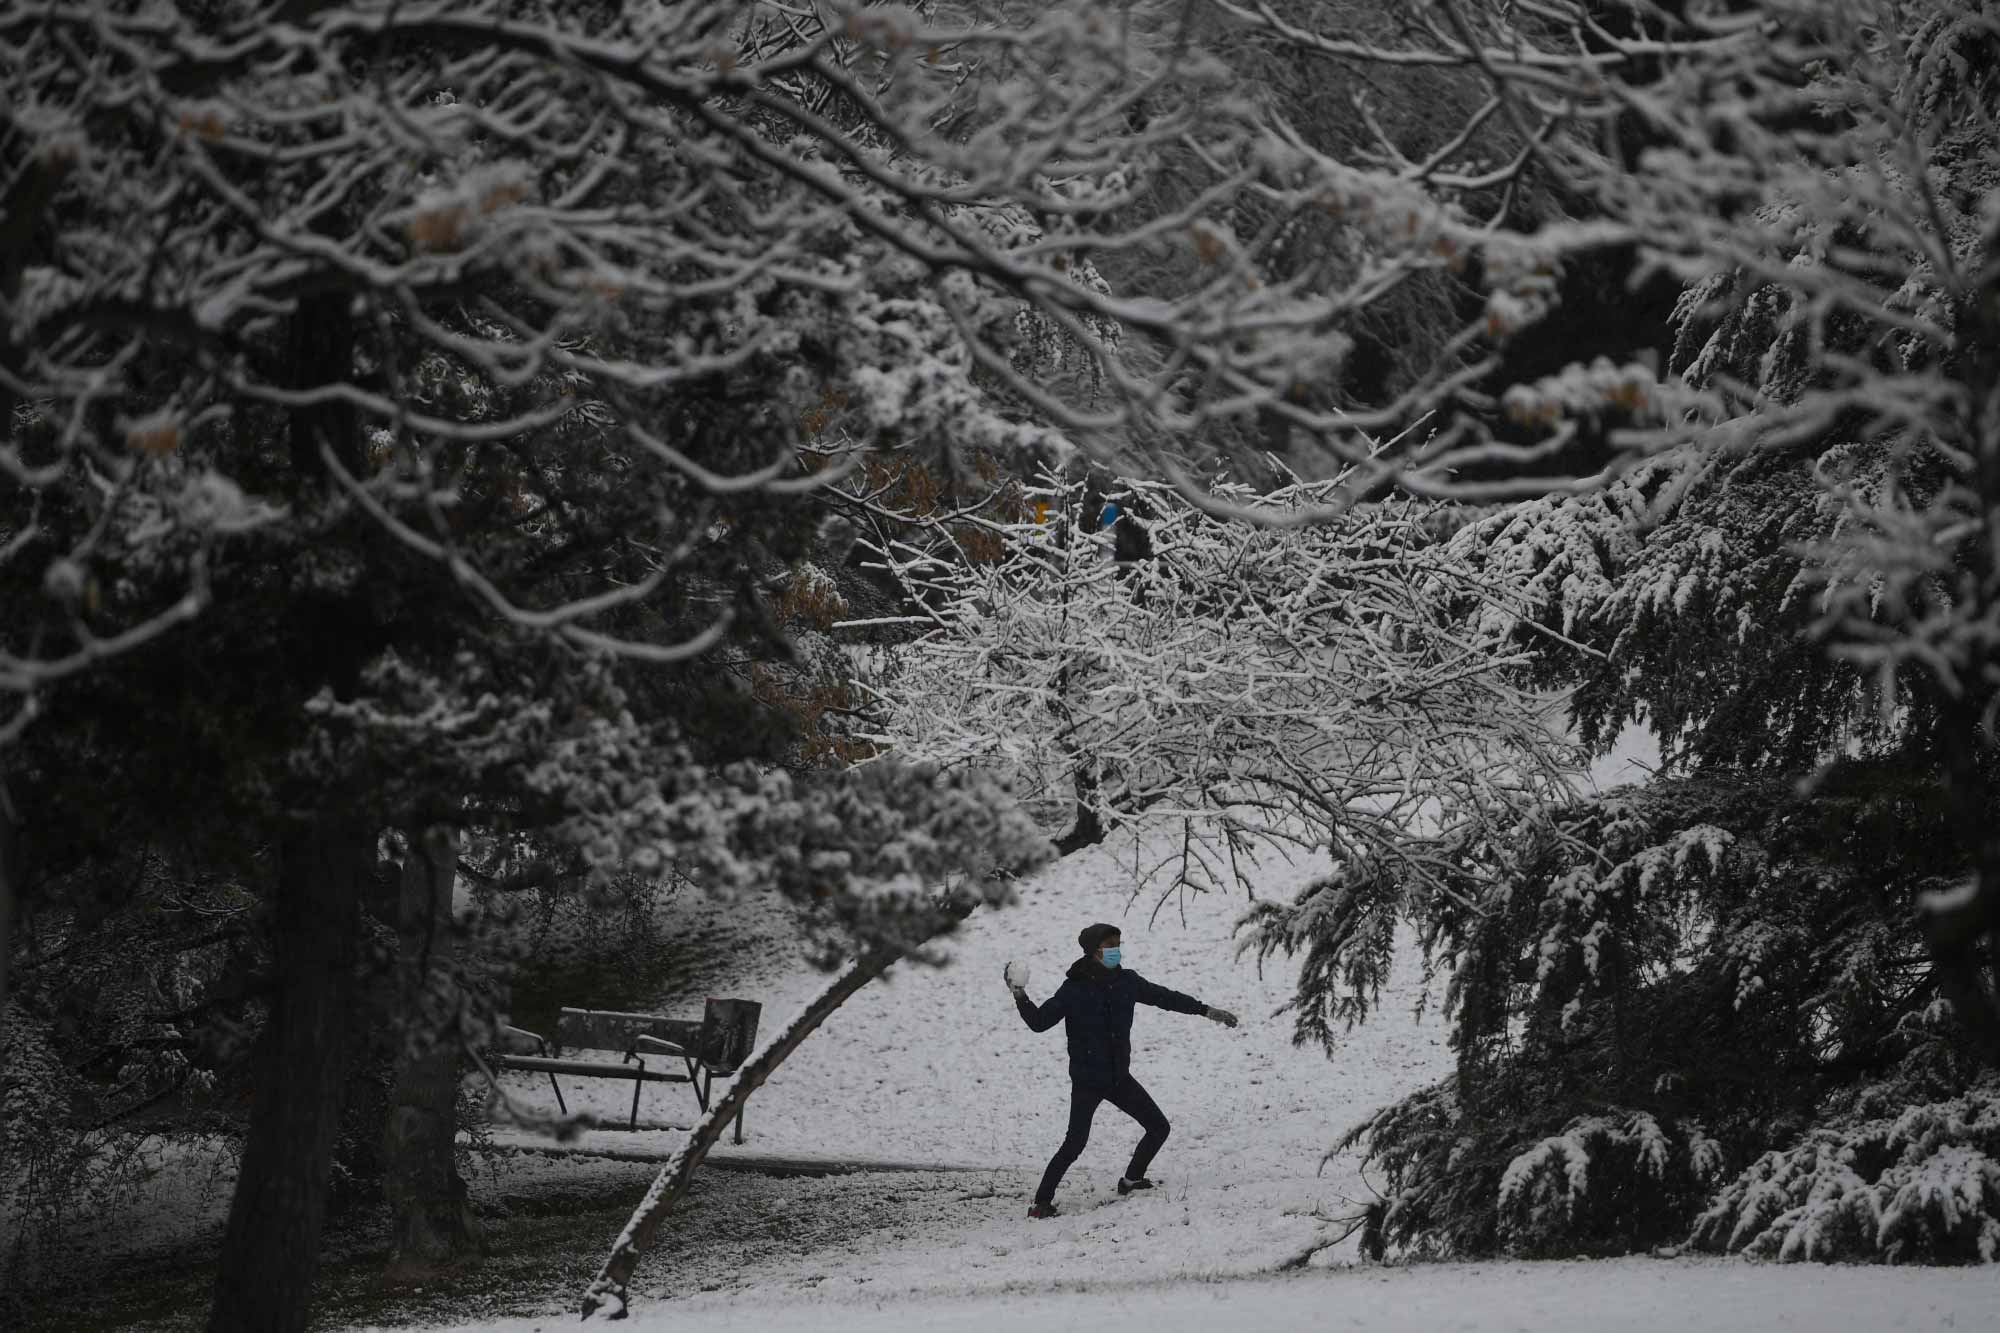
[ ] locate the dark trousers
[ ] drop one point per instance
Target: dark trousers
(1127, 1096)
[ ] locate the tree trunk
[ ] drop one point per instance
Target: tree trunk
(1088, 830)
(1964, 926)
(7, 891)
(431, 1219)
(609, 1296)
(271, 1247)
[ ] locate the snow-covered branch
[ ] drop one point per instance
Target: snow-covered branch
(1258, 687)
(530, 242)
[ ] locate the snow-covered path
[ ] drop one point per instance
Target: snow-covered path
(1621, 1295)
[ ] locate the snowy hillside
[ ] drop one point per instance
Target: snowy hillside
(933, 1066)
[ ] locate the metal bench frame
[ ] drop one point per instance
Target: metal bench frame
(636, 1036)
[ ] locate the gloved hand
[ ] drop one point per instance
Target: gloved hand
(1017, 976)
(1222, 1016)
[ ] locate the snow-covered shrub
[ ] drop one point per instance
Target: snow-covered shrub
(1605, 1184)
(1221, 669)
(604, 946)
(37, 1156)
(1656, 987)
(63, 1163)
(1922, 1186)
(124, 1022)
(1467, 1185)
(1440, 1175)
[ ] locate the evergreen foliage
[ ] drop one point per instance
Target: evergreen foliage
(1656, 986)
(1796, 928)
(1919, 1185)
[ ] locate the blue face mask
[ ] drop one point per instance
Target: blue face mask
(1111, 957)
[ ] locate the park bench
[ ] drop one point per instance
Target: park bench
(713, 1048)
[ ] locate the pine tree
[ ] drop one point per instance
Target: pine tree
(1793, 589)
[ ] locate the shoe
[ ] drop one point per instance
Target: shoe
(1044, 1210)
(1127, 1186)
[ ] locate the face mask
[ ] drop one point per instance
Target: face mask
(1111, 957)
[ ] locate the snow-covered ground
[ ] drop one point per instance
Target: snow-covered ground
(932, 1069)
(1608, 1296)
(933, 1066)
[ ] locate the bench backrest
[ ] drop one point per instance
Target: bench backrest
(728, 1033)
(722, 1040)
(610, 1030)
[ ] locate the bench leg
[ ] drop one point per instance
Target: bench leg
(560, 1104)
(699, 1079)
(739, 1124)
(638, 1085)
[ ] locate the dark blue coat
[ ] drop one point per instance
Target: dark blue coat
(1097, 1003)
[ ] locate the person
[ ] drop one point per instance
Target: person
(1129, 539)
(1096, 1001)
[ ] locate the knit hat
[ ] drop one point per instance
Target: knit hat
(1093, 936)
